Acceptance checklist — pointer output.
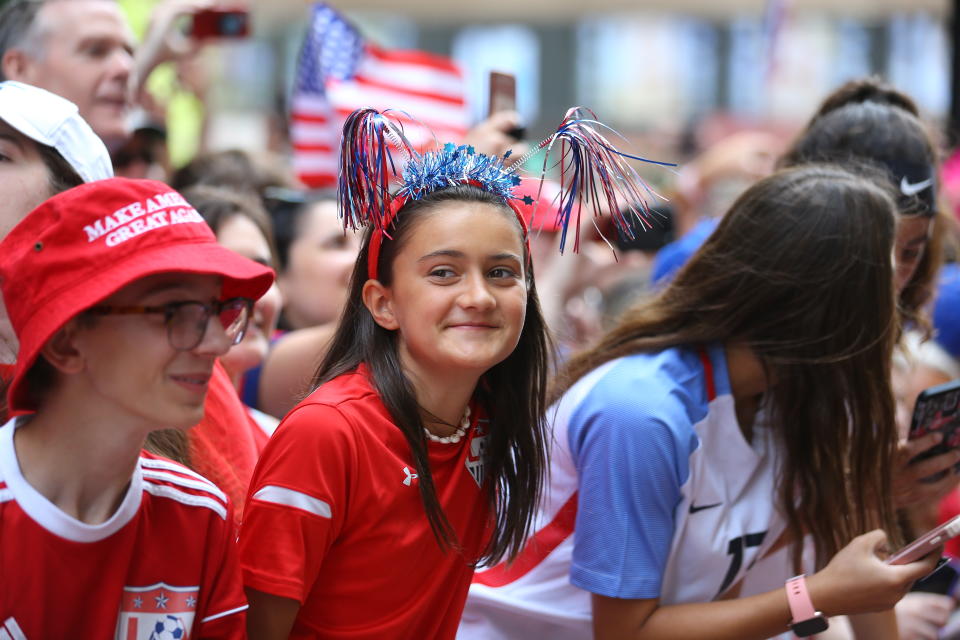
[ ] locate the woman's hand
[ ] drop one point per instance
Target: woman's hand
(920, 616)
(857, 580)
(909, 492)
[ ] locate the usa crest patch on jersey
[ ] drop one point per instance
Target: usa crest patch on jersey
(157, 612)
(477, 457)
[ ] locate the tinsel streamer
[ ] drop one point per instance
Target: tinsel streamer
(457, 165)
(367, 167)
(594, 171)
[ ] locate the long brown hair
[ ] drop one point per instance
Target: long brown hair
(512, 392)
(800, 271)
(867, 120)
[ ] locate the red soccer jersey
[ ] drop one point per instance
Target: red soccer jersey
(225, 444)
(6, 375)
(335, 521)
(163, 566)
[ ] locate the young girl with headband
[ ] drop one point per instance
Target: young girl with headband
(122, 300)
(745, 406)
(421, 452)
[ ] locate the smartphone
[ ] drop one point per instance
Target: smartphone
(221, 22)
(938, 409)
(930, 541)
(503, 97)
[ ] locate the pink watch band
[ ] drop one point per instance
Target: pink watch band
(801, 607)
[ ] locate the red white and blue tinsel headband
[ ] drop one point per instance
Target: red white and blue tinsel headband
(592, 171)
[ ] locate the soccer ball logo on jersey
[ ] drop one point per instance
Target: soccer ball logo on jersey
(157, 612)
(476, 459)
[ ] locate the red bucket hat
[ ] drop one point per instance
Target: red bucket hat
(84, 244)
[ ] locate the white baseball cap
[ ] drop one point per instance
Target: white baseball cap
(55, 122)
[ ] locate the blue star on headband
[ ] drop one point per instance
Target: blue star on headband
(456, 165)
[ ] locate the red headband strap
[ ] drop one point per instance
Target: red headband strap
(376, 239)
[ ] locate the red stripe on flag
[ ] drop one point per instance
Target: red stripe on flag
(537, 548)
(318, 180)
(412, 56)
(308, 147)
(306, 116)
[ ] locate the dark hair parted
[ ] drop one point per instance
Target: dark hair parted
(230, 169)
(800, 271)
(512, 392)
(218, 204)
(867, 120)
(289, 216)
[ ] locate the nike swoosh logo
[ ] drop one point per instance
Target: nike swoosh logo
(911, 189)
(694, 508)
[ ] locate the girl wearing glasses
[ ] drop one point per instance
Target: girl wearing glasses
(122, 300)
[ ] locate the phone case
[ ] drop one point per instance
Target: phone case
(503, 92)
(926, 543)
(937, 409)
(220, 23)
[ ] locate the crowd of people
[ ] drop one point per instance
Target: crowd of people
(233, 407)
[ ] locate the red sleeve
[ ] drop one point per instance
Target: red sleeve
(297, 501)
(223, 614)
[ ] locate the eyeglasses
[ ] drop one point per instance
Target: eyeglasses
(187, 320)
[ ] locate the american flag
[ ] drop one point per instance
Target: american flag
(338, 72)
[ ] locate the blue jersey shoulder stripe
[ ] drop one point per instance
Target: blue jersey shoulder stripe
(630, 429)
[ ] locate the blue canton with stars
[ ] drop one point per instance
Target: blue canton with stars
(331, 50)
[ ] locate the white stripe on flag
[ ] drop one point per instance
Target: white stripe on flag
(316, 162)
(413, 77)
(353, 95)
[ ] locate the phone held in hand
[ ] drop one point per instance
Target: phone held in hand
(503, 97)
(938, 410)
(221, 22)
(930, 541)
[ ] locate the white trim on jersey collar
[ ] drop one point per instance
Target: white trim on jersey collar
(47, 514)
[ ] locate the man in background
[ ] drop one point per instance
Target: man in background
(82, 50)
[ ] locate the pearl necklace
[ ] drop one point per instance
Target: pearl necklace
(454, 437)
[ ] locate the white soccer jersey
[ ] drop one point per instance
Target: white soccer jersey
(654, 493)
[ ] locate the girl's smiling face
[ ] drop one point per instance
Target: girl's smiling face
(458, 294)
